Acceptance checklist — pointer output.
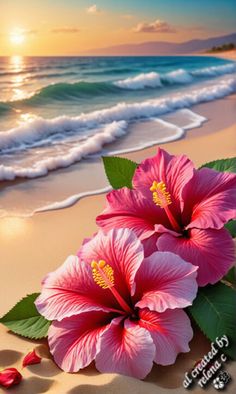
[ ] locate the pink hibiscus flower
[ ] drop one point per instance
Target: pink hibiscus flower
(174, 207)
(112, 305)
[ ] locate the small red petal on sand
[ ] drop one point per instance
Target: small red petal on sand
(31, 358)
(10, 377)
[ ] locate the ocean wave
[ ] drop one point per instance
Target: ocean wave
(14, 72)
(39, 129)
(110, 71)
(53, 75)
(215, 70)
(154, 80)
(179, 76)
(62, 91)
(92, 145)
(67, 91)
(81, 90)
(140, 81)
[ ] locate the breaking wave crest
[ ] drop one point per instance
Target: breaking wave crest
(180, 76)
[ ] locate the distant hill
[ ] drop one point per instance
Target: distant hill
(164, 48)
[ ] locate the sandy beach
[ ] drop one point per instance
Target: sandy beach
(231, 55)
(31, 247)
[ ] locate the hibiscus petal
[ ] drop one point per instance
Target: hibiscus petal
(164, 281)
(122, 250)
(74, 342)
(150, 244)
(129, 209)
(71, 290)
(211, 250)
(210, 199)
(10, 377)
(174, 171)
(127, 349)
(171, 332)
(31, 358)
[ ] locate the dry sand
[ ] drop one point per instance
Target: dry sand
(231, 55)
(33, 246)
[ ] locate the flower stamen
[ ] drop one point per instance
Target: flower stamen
(162, 198)
(103, 276)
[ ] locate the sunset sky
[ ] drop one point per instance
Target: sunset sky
(71, 27)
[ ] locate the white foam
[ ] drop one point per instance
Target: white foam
(178, 76)
(215, 70)
(191, 119)
(141, 81)
(91, 145)
(68, 202)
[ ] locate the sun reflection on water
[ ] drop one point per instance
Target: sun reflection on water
(27, 117)
(17, 65)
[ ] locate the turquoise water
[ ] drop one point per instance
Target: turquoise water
(86, 83)
(57, 111)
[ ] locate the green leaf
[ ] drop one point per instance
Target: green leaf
(24, 319)
(119, 171)
(231, 227)
(222, 165)
(214, 312)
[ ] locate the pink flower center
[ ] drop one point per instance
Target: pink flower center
(162, 198)
(103, 276)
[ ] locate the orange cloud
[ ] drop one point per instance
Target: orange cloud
(65, 29)
(157, 26)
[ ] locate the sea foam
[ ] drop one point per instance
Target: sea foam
(91, 145)
(140, 81)
(215, 70)
(154, 80)
(180, 76)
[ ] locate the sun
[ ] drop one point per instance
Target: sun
(17, 36)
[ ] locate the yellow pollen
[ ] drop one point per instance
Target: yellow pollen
(160, 196)
(101, 264)
(94, 264)
(103, 274)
